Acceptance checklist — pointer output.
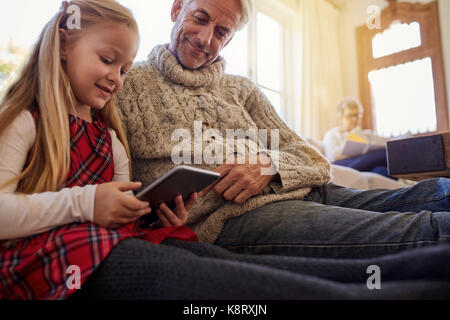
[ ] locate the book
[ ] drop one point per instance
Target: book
(358, 144)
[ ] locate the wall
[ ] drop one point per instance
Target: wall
(291, 4)
(444, 11)
(354, 14)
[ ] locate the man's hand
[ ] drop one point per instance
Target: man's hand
(239, 182)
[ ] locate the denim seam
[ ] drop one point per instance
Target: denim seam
(337, 246)
(447, 194)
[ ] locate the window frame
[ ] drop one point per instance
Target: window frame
(427, 15)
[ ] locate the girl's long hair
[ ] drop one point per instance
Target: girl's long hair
(43, 84)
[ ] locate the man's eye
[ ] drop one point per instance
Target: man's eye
(221, 34)
(200, 20)
(104, 60)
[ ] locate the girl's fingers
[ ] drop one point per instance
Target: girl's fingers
(133, 203)
(170, 215)
(162, 218)
(128, 186)
(134, 214)
(143, 212)
(181, 211)
(179, 203)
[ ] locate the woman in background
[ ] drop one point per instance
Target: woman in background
(350, 112)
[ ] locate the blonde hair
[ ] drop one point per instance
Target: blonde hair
(44, 84)
(247, 11)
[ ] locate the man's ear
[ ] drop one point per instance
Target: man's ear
(63, 38)
(176, 9)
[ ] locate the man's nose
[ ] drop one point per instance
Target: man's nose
(205, 36)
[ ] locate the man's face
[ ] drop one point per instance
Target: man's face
(202, 29)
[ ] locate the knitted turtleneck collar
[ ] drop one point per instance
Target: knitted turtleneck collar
(170, 68)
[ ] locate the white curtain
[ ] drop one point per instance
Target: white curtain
(321, 83)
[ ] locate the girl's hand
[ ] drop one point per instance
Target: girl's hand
(178, 218)
(114, 208)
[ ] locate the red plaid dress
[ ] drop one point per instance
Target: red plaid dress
(40, 266)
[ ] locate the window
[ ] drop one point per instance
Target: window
(266, 52)
(21, 29)
(401, 72)
(399, 37)
(405, 89)
(269, 56)
(257, 52)
(155, 25)
(236, 54)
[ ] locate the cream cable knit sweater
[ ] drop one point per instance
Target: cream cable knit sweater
(161, 96)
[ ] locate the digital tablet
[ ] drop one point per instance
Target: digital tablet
(182, 180)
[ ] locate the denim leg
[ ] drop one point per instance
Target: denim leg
(430, 195)
(311, 229)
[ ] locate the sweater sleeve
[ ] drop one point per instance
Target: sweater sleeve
(25, 215)
(295, 160)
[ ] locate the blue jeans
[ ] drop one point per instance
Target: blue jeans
(375, 162)
(337, 222)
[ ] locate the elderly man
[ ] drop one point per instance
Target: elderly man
(282, 202)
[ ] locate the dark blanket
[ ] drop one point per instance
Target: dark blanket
(184, 271)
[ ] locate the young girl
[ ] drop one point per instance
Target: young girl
(65, 196)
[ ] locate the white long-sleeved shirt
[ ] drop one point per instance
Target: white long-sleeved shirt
(334, 142)
(25, 215)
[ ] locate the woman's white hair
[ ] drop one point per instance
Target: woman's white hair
(247, 11)
(349, 102)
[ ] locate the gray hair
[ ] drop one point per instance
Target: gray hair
(247, 11)
(349, 102)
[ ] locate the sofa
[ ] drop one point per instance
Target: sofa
(351, 178)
